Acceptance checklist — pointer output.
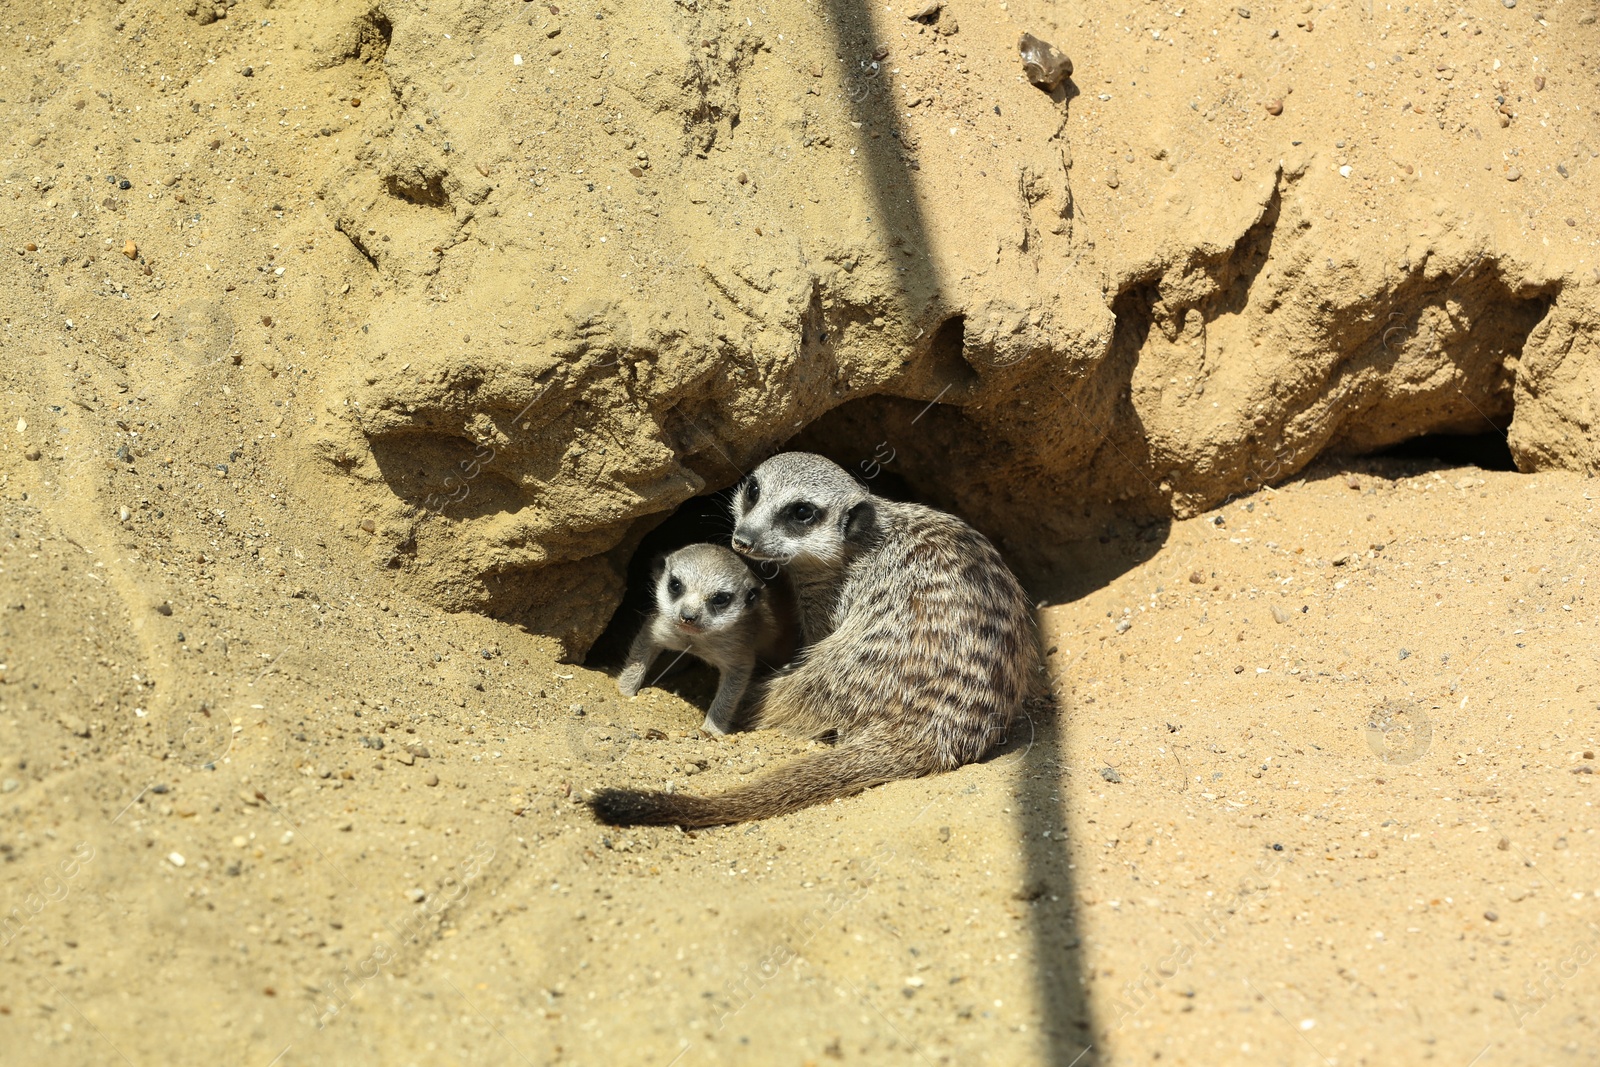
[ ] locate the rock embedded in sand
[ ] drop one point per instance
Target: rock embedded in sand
(1043, 63)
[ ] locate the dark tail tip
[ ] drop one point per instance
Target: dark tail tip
(633, 807)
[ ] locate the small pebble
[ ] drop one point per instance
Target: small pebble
(1110, 774)
(31, 247)
(1274, 107)
(1112, 181)
(1043, 63)
(10, 785)
(1405, 653)
(176, 859)
(1238, 175)
(416, 896)
(368, 525)
(432, 779)
(1509, 3)
(1538, 82)
(1513, 174)
(1491, 916)
(742, 178)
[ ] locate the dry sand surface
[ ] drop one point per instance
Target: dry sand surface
(292, 756)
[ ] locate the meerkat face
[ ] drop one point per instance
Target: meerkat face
(800, 509)
(705, 589)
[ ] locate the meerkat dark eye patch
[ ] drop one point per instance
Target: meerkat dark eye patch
(674, 587)
(803, 513)
(720, 600)
(752, 492)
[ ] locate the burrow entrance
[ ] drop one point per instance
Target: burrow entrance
(1488, 450)
(1108, 546)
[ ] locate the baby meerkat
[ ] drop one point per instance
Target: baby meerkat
(709, 604)
(919, 644)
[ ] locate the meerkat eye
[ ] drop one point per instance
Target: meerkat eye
(752, 492)
(803, 513)
(720, 600)
(674, 587)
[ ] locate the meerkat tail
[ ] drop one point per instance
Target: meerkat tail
(809, 780)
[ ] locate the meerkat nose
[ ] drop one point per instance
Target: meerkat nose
(687, 616)
(741, 543)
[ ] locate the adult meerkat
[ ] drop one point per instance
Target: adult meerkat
(919, 644)
(710, 605)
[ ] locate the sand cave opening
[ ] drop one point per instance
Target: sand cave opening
(1488, 450)
(842, 435)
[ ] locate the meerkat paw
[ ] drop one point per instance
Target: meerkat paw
(631, 681)
(711, 727)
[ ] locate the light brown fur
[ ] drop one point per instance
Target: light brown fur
(923, 651)
(709, 604)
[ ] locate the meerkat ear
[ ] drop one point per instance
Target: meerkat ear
(859, 521)
(658, 567)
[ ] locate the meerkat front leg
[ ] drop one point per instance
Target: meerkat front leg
(730, 691)
(641, 654)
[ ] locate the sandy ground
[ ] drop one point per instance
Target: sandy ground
(1361, 834)
(1317, 786)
